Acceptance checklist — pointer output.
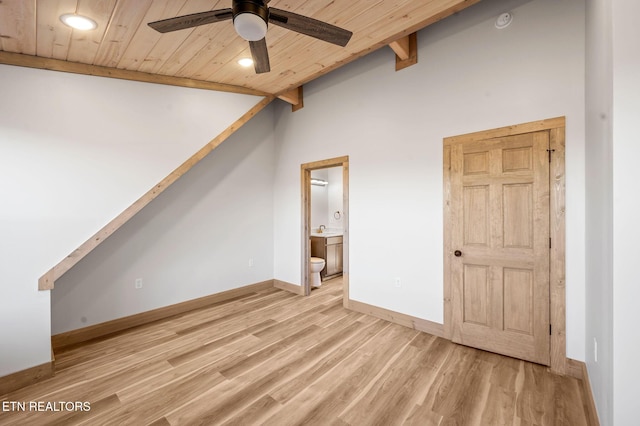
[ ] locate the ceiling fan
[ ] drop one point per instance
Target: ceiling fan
(250, 19)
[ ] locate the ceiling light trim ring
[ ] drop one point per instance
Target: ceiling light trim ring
(78, 22)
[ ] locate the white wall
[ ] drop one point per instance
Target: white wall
(626, 211)
(335, 198)
(194, 240)
(75, 152)
(599, 207)
(470, 77)
(319, 200)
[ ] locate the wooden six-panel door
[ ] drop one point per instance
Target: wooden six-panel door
(499, 265)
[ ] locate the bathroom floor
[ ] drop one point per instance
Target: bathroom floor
(275, 358)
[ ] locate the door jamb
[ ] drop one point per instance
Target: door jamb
(557, 276)
(305, 173)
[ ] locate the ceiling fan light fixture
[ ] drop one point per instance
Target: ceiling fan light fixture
(78, 22)
(249, 26)
(250, 21)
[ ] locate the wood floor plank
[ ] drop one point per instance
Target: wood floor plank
(403, 379)
(183, 323)
(276, 358)
(443, 394)
(104, 343)
(568, 402)
(465, 397)
(160, 422)
(505, 370)
(433, 363)
(268, 353)
(112, 349)
(289, 366)
(102, 387)
(98, 409)
(256, 412)
(421, 415)
(535, 397)
(218, 343)
(500, 407)
(172, 375)
(320, 366)
(151, 406)
(330, 331)
(323, 400)
(239, 393)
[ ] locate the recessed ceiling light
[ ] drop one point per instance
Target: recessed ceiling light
(246, 62)
(78, 22)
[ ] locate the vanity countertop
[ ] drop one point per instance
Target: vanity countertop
(326, 234)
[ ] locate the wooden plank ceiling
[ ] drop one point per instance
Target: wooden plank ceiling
(123, 45)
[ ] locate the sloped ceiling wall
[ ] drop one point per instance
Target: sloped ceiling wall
(77, 151)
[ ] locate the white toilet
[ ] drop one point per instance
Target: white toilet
(316, 265)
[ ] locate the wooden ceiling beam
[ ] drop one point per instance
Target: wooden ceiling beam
(18, 59)
(406, 50)
(401, 47)
(294, 97)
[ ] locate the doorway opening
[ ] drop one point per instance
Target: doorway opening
(337, 223)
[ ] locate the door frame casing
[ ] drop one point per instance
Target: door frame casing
(557, 275)
(305, 183)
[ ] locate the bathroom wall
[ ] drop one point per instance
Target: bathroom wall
(469, 77)
(335, 198)
(327, 200)
(319, 200)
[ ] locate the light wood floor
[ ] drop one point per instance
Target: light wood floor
(275, 358)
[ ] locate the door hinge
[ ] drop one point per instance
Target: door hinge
(550, 151)
(549, 242)
(549, 329)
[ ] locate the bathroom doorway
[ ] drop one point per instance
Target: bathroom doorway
(337, 218)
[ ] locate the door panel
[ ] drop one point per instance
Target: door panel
(476, 215)
(476, 294)
(476, 163)
(517, 159)
(518, 300)
(517, 205)
(500, 224)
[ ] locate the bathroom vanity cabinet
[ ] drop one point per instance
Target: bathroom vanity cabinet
(330, 249)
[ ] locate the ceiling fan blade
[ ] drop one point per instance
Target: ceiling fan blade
(260, 56)
(190, 21)
(309, 26)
